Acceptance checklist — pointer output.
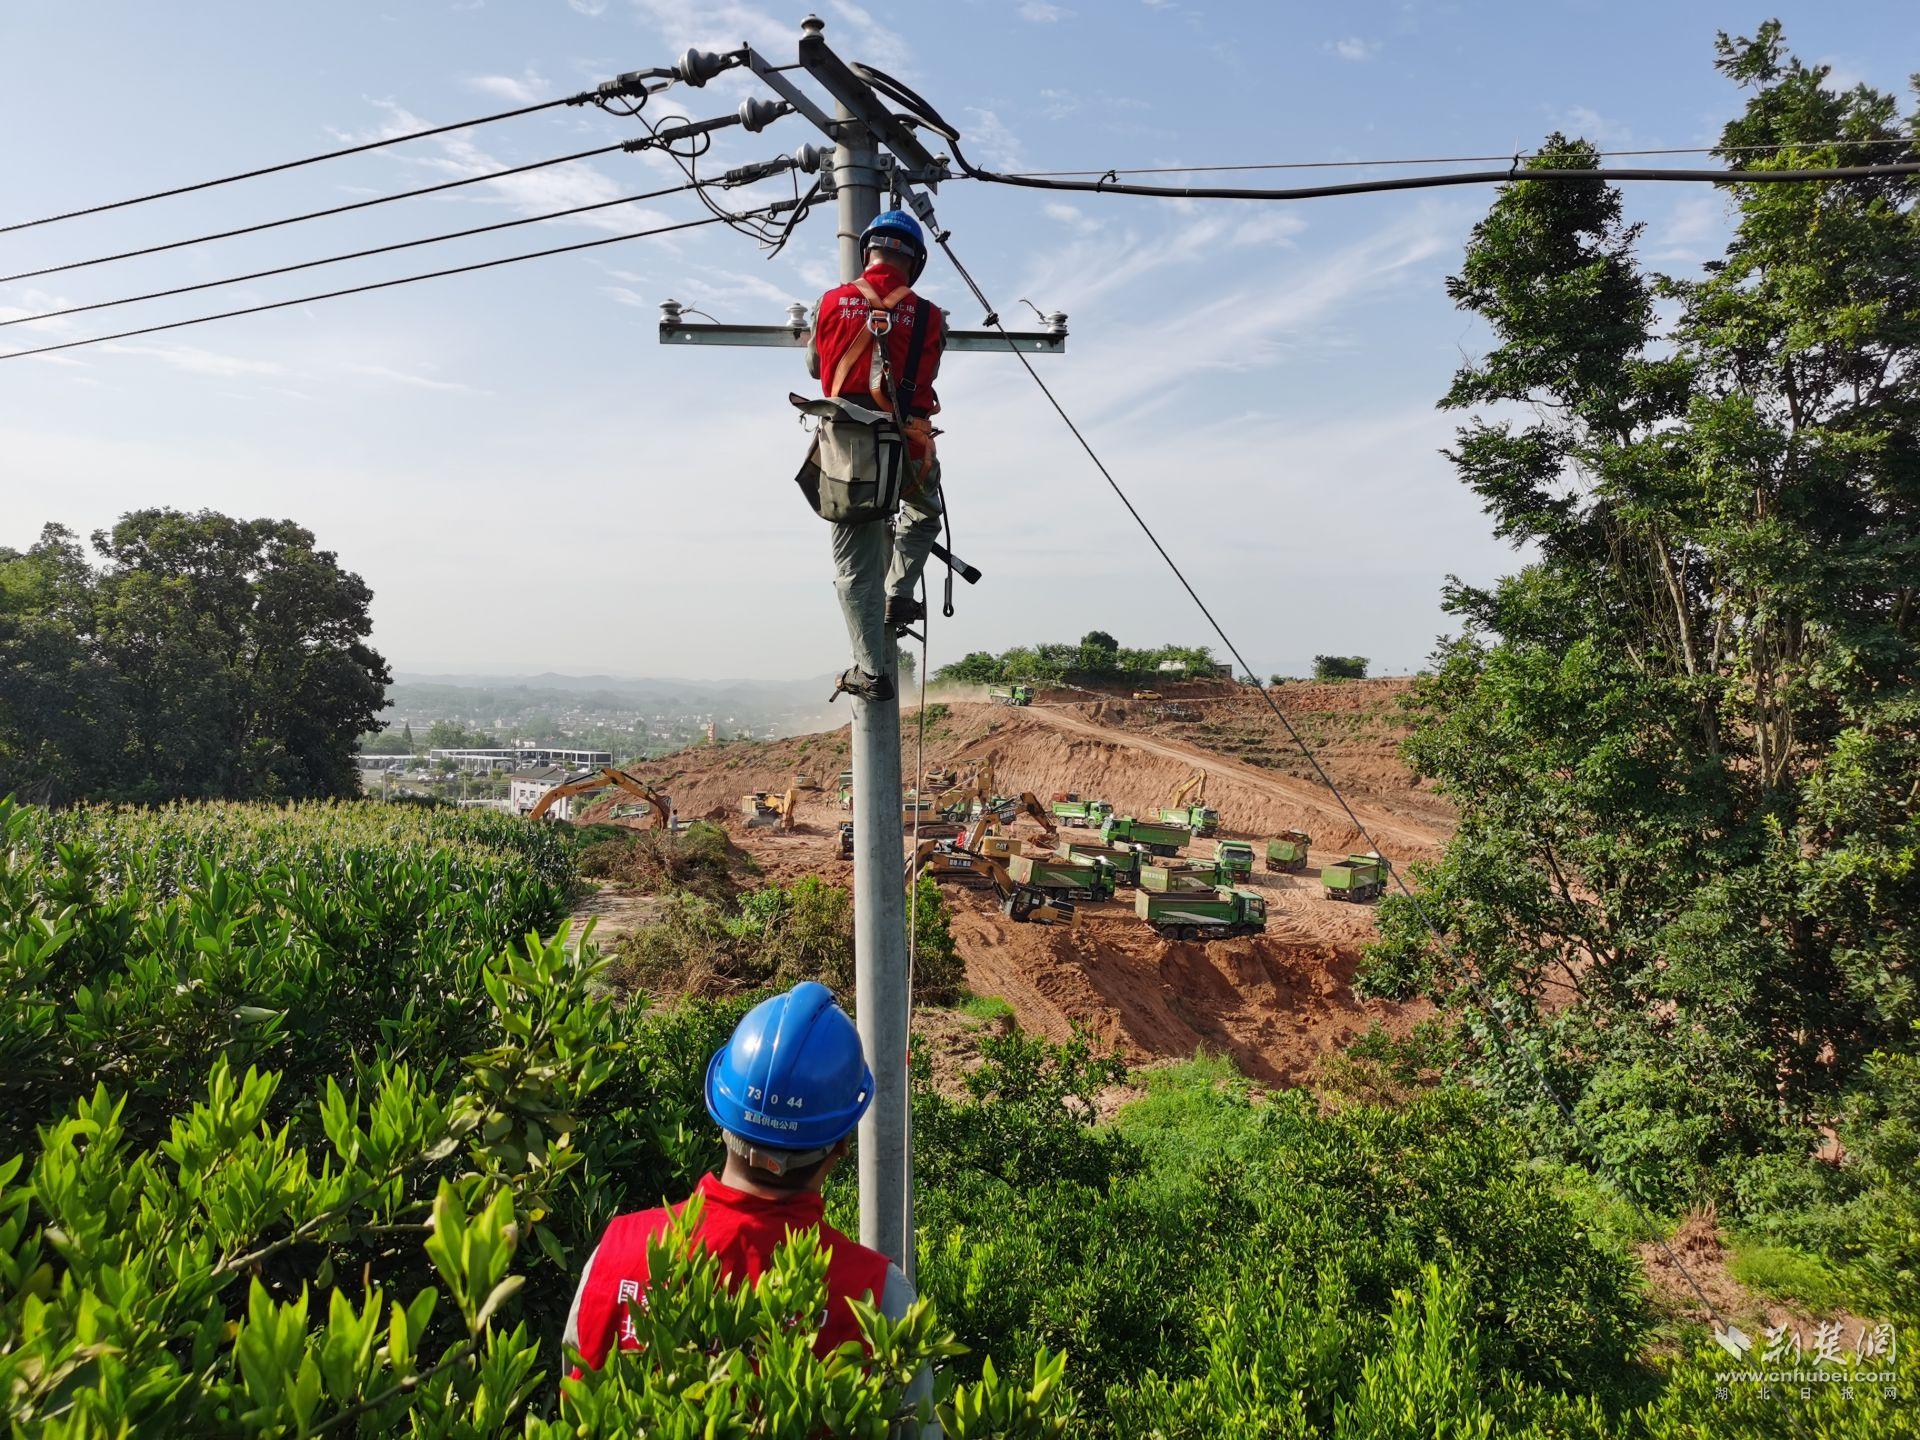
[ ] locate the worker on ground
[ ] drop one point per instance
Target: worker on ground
(867, 336)
(786, 1091)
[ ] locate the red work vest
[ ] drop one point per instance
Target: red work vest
(841, 325)
(743, 1230)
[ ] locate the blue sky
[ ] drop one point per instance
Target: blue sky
(528, 480)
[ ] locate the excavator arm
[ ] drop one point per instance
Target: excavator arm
(1192, 790)
(661, 806)
(1033, 807)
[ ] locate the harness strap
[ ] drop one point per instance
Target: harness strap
(859, 348)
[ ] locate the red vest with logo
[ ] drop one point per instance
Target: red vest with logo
(744, 1231)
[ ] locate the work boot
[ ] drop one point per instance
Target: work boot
(904, 612)
(856, 681)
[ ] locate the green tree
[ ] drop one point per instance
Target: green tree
(453, 735)
(206, 656)
(1683, 741)
(1339, 667)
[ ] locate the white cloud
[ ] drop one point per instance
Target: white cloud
(526, 90)
(402, 377)
(592, 9)
(1073, 217)
(990, 138)
(1589, 124)
(1355, 48)
(196, 361)
(1040, 12)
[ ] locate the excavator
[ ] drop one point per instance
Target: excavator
(659, 806)
(979, 860)
(1188, 806)
(957, 801)
(768, 807)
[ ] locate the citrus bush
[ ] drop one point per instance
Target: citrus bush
(312, 1129)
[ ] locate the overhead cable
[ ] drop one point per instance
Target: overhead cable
(777, 206)
(1449, 159)
(295, 164)
(1433, 930)
(318, 214)
(1109, 182)
(349, 255)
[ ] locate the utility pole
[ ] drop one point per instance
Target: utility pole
(860, 126)
(883, 1006)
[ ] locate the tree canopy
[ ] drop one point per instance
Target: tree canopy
(201, 656)
(1097, 657)
(1684, 741)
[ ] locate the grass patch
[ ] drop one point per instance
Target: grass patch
(990, 1008)
(1783, 1273)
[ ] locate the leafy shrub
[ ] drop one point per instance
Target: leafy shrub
(1339, 667)
(779, 936)
(701, 860)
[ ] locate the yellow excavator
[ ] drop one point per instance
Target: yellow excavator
(977, 860)
(1188, 806)
(659, 807)
(769, 807)
(977, 788)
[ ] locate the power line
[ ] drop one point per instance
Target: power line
(350, 255)
(375, 285)
(1110, 183)
(436, 189)
(1492, 1011)
(290, 164)
(1450, 159)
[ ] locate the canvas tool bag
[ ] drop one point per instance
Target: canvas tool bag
(854, 468)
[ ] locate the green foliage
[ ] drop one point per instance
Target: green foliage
(777, 936)
(710, 1356)
(701, 860)
(365, 1212)
(1096, 658)
(990, 1008)
(206, 656)
(452, 735)
(1682, 742)
(1339, 667)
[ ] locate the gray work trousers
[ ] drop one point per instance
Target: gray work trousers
(878, 559)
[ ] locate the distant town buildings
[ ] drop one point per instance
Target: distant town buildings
(529, 756)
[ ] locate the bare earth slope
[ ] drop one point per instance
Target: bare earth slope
(1274, 1002)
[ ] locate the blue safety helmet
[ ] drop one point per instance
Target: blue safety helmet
(897, 230)
(793, 1077)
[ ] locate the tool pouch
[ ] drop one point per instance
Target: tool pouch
(855, 466)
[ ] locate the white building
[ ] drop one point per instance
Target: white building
(525, 787)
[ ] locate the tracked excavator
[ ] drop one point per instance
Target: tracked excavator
(775, 807)
(978, 860)
(659, 806)
(1188, 806)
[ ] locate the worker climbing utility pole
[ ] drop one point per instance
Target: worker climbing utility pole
(882, 1004)
(860, 126)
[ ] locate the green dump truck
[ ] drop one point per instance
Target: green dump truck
(1288, 853)
(1070, 879)
(1235, 857)
(846, 789)
(1202, 915)
(1077, 814)
(1154, 836)
(1012, 695)
(1358, 878)
(1181, 877)
(1119, 861)
(1201, 819)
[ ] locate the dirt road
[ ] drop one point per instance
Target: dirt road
(1390, 830)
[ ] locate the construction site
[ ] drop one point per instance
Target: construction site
(1275, 1001)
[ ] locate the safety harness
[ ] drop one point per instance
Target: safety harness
(891, 393)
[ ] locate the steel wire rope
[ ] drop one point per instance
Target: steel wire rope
(351, 255)
(374, 285)
(1109, 182)
(292, 164)
(1490, 1006)
(318, 214)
